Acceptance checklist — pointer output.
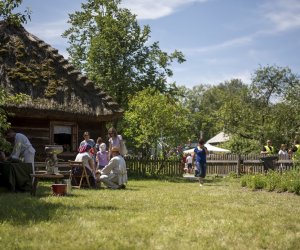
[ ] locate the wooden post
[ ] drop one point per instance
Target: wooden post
(238, 165)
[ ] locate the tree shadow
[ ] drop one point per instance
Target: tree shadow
(21, 208)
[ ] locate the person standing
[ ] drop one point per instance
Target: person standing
(99, 141)
(189, 161)
(102, 156)
(114, 140)
(23, 149)
(282, 153)
(114, 174)
(295, 150)
(87, 140)
(201, 153)
(268, 149)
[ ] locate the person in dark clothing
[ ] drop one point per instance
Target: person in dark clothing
(201, 153)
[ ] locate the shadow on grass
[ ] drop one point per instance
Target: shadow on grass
(180, 179)
(21, 208)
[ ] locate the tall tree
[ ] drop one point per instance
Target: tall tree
(108, 44)
(153, 117)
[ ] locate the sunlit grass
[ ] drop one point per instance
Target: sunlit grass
(152, 214)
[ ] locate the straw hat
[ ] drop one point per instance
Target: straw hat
(115, 149)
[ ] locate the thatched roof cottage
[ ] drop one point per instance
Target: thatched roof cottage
(62, 102)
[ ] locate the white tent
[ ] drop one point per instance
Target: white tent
(210, 148)
(219, 138)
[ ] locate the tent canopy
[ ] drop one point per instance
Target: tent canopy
(210, 148)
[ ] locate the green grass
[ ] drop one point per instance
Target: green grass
(152, 214)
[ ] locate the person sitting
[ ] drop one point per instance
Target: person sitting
(114, 174)
(88, 161)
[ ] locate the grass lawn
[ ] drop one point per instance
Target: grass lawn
(152, 214)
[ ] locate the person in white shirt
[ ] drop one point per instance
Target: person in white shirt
(85, 156)
(114, 174)
(23, 150)
(189, 161)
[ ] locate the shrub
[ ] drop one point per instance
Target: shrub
(287, 181)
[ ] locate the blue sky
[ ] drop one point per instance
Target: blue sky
(221, 39)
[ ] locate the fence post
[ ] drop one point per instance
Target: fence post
(238, 165)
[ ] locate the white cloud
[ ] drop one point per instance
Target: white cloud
(50, 31)
(214, 78)
(240, 41)
(284, 14)
(149, 9)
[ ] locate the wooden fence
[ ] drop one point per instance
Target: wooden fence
(153, 167)
(217, 164)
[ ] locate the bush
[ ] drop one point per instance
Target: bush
(287, 181)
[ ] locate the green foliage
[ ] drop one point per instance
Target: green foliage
(240, 145)
(153, 117)
(6, 12)
(265, 110)
(274, 181)
(108, 44)
(4, 124)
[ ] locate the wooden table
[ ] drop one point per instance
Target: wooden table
(44, 176)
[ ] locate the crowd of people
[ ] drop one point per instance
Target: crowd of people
(284, 152)
(103, 164)
(107, 165)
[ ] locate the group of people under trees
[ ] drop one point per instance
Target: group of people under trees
(107, 166)
(283, 152)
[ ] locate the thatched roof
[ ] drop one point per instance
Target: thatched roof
(29, 65)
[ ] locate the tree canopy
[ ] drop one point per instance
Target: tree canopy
(108, 44)
(153, 118)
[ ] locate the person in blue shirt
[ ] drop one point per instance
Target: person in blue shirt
(200, 152)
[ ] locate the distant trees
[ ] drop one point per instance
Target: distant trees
(268, 108)
(108, 44)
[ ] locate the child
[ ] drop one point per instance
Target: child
(102, 156)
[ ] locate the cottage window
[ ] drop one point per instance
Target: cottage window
(64, 134)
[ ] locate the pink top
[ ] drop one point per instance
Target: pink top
(102, 158)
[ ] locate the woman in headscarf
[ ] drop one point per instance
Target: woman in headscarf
(85, 156)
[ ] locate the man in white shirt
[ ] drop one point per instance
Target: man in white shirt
(23, 149)
(114, 174)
